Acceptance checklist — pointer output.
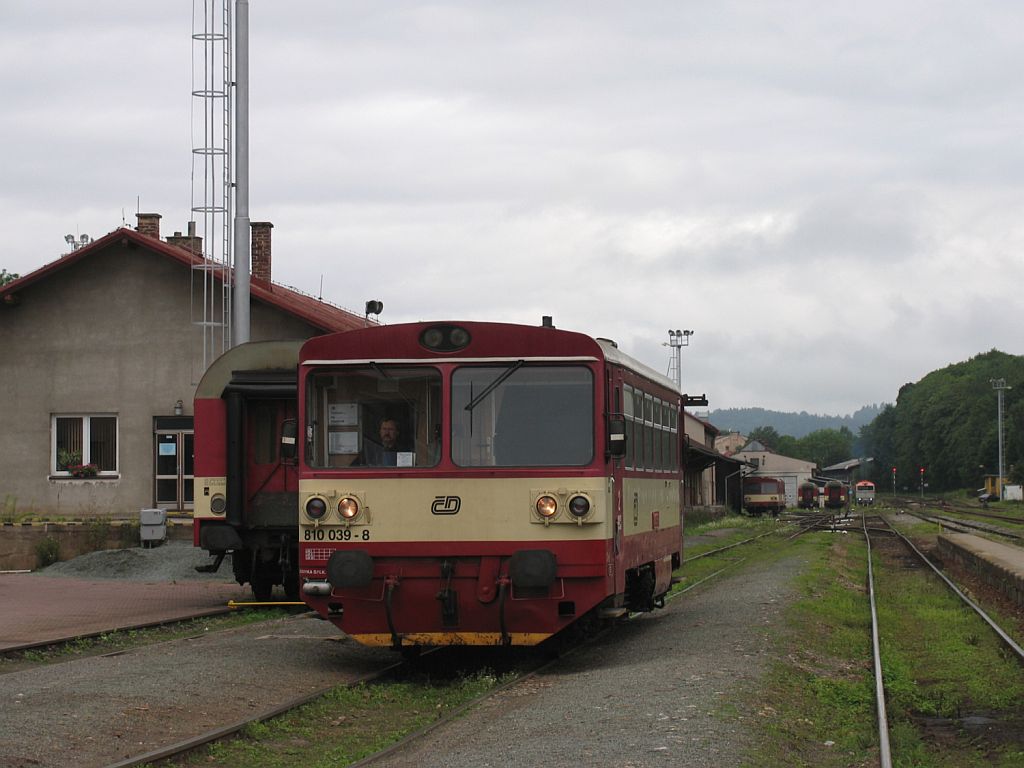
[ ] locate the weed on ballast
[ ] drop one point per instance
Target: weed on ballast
(343, 726)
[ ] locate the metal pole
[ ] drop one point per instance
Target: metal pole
(999, 385)
(240, 309)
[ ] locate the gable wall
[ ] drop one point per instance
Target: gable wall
(110, 334)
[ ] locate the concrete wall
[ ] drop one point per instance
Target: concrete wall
(112, 333)
(19, 544)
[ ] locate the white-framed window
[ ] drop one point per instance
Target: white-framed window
(83, 445)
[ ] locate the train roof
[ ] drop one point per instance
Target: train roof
(252, 356)
(613, 354)
(521, 341)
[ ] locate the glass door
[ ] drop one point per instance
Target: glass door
(174, 469)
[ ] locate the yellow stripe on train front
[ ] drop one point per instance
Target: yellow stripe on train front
(454, 638)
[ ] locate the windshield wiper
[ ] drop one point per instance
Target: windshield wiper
(494, 385)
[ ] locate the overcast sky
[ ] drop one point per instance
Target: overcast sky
(830, 195)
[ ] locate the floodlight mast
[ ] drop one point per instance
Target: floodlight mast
(677, 340)
(999, 385)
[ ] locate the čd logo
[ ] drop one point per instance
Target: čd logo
(446, 505)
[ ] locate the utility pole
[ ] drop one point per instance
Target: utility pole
(999, 385)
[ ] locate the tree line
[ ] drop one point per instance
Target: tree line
(946, 423)
(824, 447)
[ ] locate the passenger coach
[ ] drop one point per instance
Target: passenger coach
(483, 483)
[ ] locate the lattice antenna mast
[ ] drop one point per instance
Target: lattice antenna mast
(211, 174)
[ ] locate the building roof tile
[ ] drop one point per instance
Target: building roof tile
(319, 314)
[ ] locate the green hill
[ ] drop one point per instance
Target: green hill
(746, 420)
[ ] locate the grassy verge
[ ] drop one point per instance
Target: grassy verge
(121, 640)
(343, 726)
(944, 670)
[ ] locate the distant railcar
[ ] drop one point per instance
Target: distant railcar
(763, 494)
(807, 495)
(835, 495)
(864, 492)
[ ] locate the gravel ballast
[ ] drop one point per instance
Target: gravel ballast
(653, 694)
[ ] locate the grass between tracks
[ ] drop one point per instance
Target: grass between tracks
(343, 726)
(953, 692)
(122, 640)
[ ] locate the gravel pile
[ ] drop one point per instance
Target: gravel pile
(174, 561)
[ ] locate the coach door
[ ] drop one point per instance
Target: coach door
(271, 484)
(174, 441)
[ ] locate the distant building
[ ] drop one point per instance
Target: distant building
(101, 357)
(729, 443)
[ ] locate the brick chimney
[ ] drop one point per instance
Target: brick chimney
(261, 250)
(149, 224)
(189, 242)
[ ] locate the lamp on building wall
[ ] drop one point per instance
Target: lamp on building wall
(179, 408)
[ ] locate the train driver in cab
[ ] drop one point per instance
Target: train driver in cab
(384, 453)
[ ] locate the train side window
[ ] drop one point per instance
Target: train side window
(627, 411)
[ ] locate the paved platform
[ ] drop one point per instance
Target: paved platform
(38, 610)
(1000, 565)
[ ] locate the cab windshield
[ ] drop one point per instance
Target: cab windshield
(373, 416)
(520, 415)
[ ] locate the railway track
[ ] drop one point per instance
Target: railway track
(1007, 640)
(967, 509)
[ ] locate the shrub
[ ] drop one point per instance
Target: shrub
(47, 551)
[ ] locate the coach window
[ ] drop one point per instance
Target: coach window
(520, 415)
(666, 437)
(83, 446)
(638, 426)
(375, 416)
(627, 412)
(648, 432)
(673, 437)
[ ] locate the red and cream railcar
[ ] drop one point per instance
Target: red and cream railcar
(835, 495)
(246, 480)
(807, 495)
(531, 476)
(763, 494)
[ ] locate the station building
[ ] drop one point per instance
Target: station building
(102, 352)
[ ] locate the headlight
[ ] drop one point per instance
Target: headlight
(459, 337)
(348, 508)
(445, 338)
(316, 508)
(579, 506)
(218, 504)
(547, 506)
(433, 338)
